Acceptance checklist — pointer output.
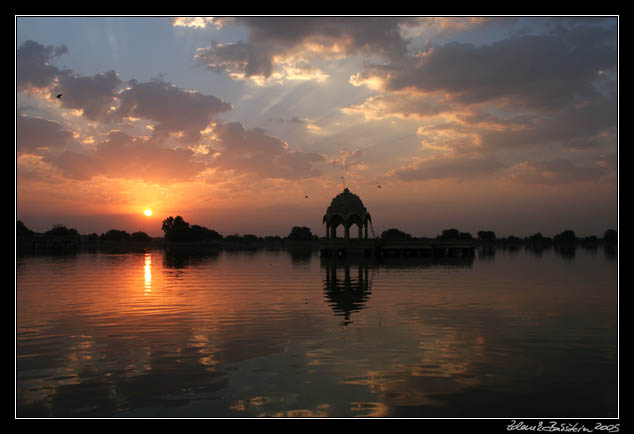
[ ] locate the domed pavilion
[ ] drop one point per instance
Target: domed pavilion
(346, 209)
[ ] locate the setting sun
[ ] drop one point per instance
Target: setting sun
(147, 212)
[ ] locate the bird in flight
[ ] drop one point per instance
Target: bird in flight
(59, 95)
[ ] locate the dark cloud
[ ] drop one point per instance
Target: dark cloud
(255, 152)
(537, 71)
(32, 65)
(173, 109)
(236, 56)
(270, 36)
(589, 124)
(557, 172)
(40, 135)
(93, 95)
(449, 167)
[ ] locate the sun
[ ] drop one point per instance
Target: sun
(147, 212)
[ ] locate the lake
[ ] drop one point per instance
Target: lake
(235, 334)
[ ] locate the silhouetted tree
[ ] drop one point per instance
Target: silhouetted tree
(21, 230)
(486, 235)
(610, 236)
(61, 231)
(250, 238)
(201, 233)
(233, 238)
(449, 234)
(115, 235)
(536, 237)
(301, 234)
(395, 234)
(176, 229)
(590, 242)
(140, 237)
(566, 237)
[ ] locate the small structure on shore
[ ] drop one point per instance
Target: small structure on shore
(347, 209)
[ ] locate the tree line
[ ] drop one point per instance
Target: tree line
(176, 229)
(566, 237)
(62, 231)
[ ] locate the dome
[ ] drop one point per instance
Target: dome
(346, 209)
(345, 205)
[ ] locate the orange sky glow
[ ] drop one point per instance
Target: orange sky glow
(507, 124)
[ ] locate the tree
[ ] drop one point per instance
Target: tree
(300, 234)
(395, 234)
(536, 237)
(250, 238)
(62, 231)
(176, 229)
(233, 238)
(486, 236)
(21, 230)
(115, 235)
(610, 236)
(140, 237)
(449, 234)
(566, 237)
(202, 233)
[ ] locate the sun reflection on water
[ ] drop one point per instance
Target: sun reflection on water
(148, 273)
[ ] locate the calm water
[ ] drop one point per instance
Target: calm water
(267, 333)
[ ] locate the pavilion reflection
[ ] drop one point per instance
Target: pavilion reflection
(347, 288)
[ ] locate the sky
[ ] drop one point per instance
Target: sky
(252, 124)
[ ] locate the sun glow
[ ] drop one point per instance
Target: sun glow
(148, 212)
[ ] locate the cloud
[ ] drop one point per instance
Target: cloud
(555, 89)
(559, 171)
(197, 22)
(32, 65)
(178, 112)
(464, 168)
(257, 153)
(590, 124)
(126, 157)
(535, 71)
(181, 113)
(95, 96)
(349, 160)
(274, 40)
(75, 165)
(41, 135)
